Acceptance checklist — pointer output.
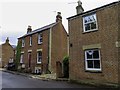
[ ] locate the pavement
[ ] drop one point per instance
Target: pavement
(44, 77)
(17, 82)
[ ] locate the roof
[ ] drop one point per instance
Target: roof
(40, 29)
(13, 46)
(113, 3)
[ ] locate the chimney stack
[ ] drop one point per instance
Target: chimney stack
(7, 40)
(79, 8)
(29, 29)
(58, 17)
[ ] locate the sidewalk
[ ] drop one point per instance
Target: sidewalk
(44, 77)
(48, 77)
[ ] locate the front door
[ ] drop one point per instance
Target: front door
(29, 60)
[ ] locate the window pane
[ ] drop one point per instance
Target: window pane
(97, 64)
(93, 25)
(89, 56)
(87, 27)
(90, 64)
(96, 54)
(86, 19)
(39, 54)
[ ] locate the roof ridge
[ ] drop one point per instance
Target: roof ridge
(97, 8)
(40, 29)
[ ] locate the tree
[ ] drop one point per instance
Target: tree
(18, 54)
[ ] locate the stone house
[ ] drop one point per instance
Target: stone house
(7, 53)
(94, 39)
(44, 47)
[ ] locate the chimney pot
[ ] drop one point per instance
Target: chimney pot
(79, 8)
(7, 40)
(58, 17)
(29, 29)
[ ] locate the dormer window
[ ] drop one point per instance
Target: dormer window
(90, 23)
(23, 43)
(30, 40)
(40, 39)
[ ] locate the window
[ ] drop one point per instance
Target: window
(11, 60)
(21, 58)
(92, 60)
(40, 39)
(90, 23)
(23, 42)
(39, 56)
(30, 40)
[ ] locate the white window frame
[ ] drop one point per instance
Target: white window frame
(93, 59)
(21, 58)
(39, 62)
(23, 42)
(89, 23)
(30, 40)
(40, 37)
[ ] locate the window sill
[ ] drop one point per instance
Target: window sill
(39, 63)
(94, 30)
(93, 71)
(39, 43)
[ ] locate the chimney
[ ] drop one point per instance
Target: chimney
(29, 29)
(58, 17)
(79, 8)
(7, 40)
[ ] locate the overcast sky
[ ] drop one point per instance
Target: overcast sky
(16, 15)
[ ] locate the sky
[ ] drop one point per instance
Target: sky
(16, 15)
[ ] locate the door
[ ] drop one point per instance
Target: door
(29, 60)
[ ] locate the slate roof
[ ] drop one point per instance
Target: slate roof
(93, 10)
(40, 29)
(14, 46)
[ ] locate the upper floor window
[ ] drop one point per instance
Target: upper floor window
(92, 59)
(30, 40)
(23, 42)
(40, 38)
(39, 56)
(90, 23)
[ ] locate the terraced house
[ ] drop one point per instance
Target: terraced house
(44, 47)
(94, 38)
(7, 53)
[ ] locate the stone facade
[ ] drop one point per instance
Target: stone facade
(105, 39)
(53, 47)
(6, 53)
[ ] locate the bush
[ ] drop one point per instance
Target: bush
(66, 66)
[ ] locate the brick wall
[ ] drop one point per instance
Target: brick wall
(58, 48)
(34, 47)
(59, 45)
(106, 36)
(119, 41)
(7, 53)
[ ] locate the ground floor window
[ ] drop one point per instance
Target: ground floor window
(21, 58)
(92, 59)
(39, 57)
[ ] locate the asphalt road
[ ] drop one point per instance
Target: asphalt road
(17, 81)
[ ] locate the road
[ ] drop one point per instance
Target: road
(17, 81)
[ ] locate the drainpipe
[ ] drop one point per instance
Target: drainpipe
(49, 49)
